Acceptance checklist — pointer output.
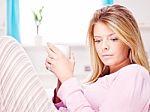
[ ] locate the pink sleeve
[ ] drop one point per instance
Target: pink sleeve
(57, 102)
(130, 92)
(72, 96)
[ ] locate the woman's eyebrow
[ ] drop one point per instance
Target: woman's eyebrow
(112, 34)
(96, 36)
(109, 35)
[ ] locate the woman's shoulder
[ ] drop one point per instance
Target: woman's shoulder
(134, 70)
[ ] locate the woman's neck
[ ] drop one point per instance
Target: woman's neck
(119, 66)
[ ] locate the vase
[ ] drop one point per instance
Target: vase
(38, 40)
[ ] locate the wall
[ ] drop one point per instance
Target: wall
(2, 17)
(139, 8)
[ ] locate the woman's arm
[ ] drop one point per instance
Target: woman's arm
(129, 93)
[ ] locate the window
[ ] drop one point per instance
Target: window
(64, 21)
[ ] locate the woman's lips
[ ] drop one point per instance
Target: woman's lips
(107, 55)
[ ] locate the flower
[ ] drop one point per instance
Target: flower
(38, 18)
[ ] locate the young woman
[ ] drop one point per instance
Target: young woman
(120, 81)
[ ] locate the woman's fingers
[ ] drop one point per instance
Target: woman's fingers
(48, 63)
(59, 64)
(50, 60)
(51, 54)
(53, 48)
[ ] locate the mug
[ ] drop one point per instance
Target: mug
(64, 48)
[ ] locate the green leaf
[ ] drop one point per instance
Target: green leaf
(38, 16)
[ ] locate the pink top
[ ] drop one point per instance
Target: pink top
(127, 90)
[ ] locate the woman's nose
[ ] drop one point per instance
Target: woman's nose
(105, 45)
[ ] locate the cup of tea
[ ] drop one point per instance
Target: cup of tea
(64, 48)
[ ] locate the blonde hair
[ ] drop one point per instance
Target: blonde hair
(122, 22)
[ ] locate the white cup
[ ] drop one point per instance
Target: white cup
(64, 48)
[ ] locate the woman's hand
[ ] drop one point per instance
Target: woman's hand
(59, 64)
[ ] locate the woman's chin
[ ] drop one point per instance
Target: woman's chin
(108, 63)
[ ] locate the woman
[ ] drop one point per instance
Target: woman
(120, 81)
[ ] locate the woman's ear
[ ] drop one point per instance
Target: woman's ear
(130, 56)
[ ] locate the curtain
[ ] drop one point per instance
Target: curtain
(13, 19)
(107, 2)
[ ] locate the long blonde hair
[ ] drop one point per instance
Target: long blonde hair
(122, 22)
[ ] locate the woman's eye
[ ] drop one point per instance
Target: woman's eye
(114, 39)
(97, 41)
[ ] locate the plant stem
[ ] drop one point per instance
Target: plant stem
(37, 29)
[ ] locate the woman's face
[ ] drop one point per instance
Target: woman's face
(110, 49)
